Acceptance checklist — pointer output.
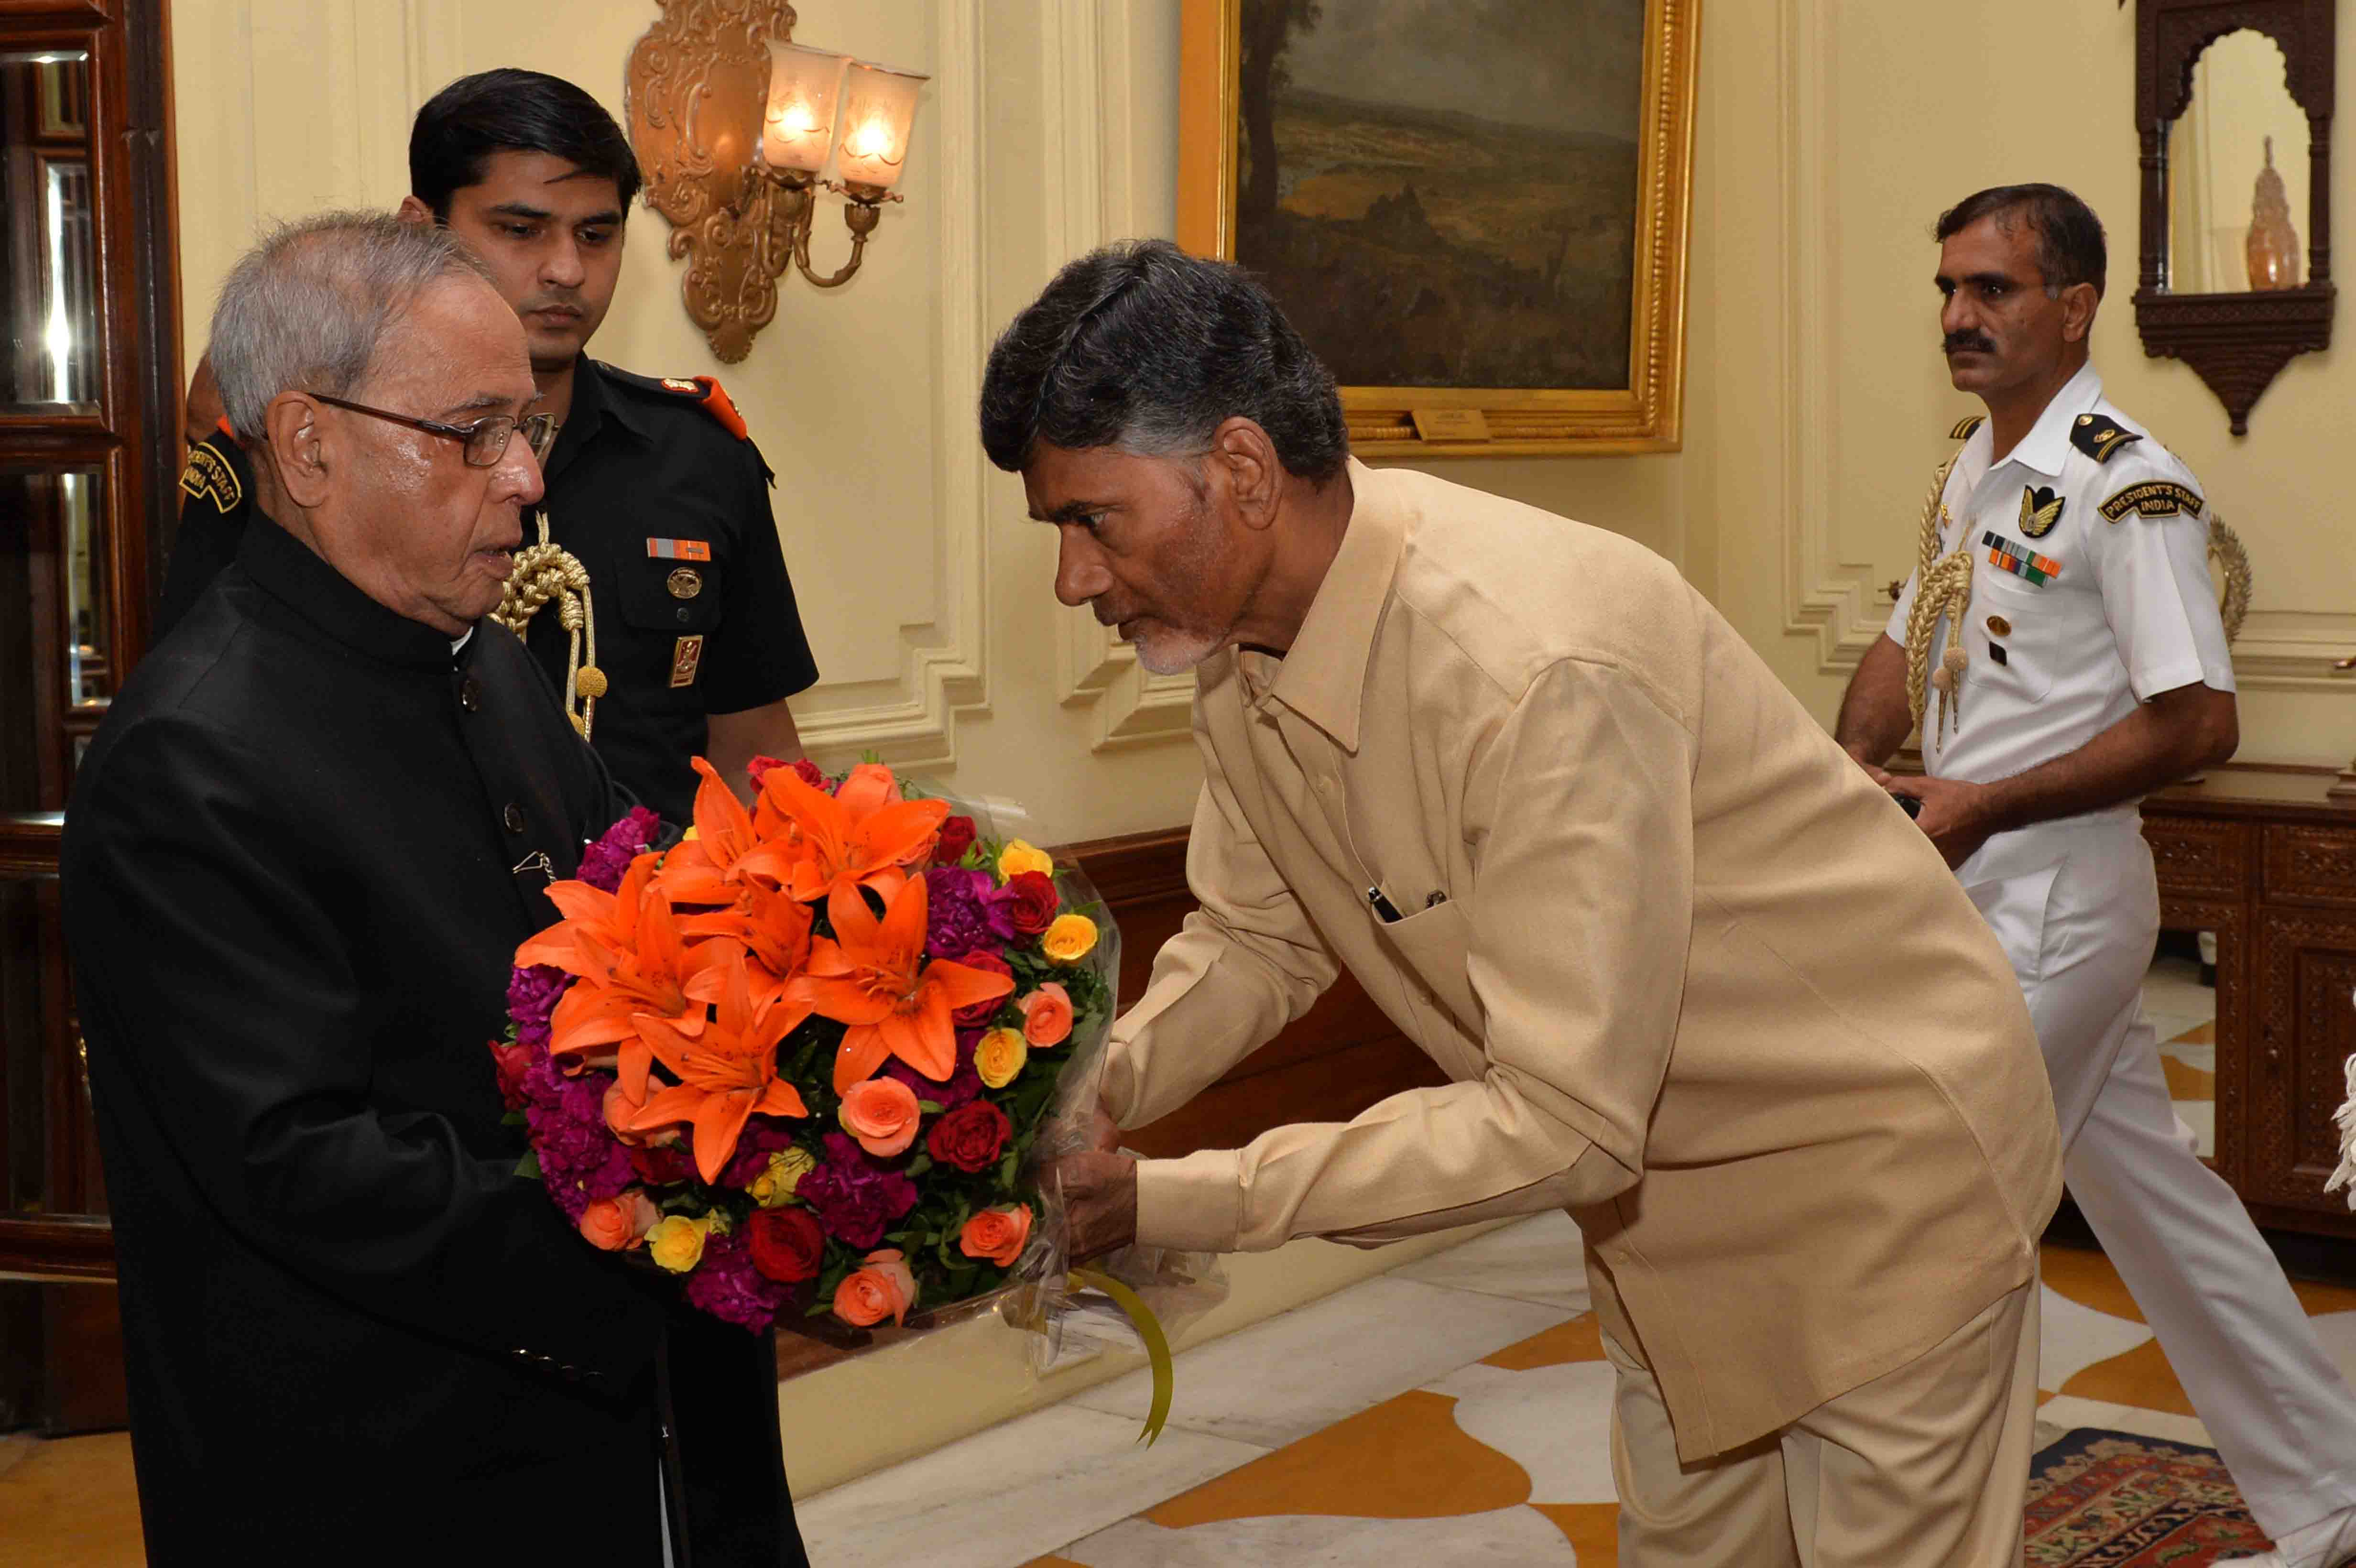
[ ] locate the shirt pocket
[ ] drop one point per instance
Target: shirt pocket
(2022, 620)
(679, 597)
(1433, 946)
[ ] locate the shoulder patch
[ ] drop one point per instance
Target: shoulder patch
(2100, 436)
(2155, 498)
(1964, 428)
(211, 475)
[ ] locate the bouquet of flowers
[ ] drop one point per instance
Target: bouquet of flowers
(802, 1058)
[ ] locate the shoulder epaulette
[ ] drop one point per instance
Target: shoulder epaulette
(211, 472)
(2100, 436)
(1964, 428)
(701, 391)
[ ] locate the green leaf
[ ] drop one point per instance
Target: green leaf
(529, 1166)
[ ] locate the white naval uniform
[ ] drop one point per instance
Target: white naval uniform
(2129, 614)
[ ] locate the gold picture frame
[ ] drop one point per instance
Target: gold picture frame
(1644, 415)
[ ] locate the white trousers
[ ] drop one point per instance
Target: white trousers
(2076, 908)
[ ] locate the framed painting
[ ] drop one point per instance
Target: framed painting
(1474, 210)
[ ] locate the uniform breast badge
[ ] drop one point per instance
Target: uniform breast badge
(679, 549)
(685, 583)
(686, 658)
(2040, 509)
(2007, 556)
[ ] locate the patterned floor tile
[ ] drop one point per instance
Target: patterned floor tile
(1501, 1538)
(1284, 1379)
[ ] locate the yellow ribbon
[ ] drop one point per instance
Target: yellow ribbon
(1157, 1345)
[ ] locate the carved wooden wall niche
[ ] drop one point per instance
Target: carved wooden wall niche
(2237, 342)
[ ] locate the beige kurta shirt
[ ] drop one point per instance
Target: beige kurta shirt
(1694, 976)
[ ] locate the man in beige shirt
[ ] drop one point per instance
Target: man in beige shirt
(1696, 978)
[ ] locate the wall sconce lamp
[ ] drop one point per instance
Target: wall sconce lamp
(734, 124)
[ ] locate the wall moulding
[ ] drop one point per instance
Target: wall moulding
(1087, 117)
(946, 659)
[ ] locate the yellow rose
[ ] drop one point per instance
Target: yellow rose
(774, 1186)
(1018, 857)
(999, 1056)
(677, 1243)
(1069, 938)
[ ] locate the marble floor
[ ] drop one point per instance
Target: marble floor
(2183, 1013)
(1454, 1411)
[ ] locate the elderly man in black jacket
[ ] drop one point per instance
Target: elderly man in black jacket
(300, 855)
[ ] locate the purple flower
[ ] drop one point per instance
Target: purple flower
(855, 1196)
(605, 862)
(579, 1159)
(726, 1284)
(762, 1137)
(532, 996)
(964, 909)
(964, 1085)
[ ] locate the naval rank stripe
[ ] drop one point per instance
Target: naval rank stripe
(2020, 561)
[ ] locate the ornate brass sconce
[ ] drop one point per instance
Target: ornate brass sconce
(734, 124)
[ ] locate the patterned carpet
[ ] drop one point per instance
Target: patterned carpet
(2114, 1499)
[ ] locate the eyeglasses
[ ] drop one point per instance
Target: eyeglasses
(485, 439)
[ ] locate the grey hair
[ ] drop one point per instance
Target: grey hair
(306, 309)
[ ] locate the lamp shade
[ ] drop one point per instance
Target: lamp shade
(879, 110)
(797, 127)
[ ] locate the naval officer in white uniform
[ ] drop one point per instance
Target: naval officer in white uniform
(2061, 644)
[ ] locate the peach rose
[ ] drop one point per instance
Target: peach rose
(1019, 856)
(997, 1235)
(998, 1056)
(619, 1223)
(1071, 938)
(881, 1287)
(882, 1114)
(1046, 1016)
(619, 1108)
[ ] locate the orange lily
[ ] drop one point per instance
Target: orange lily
(647, 969)
(709, 868)
(725, 1074)
(874, 977)
(864, 834)
(610, 918)
(773, 927)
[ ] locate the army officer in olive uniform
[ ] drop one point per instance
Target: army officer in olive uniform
(688, 642)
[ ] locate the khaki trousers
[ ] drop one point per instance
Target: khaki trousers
(1925, 1466)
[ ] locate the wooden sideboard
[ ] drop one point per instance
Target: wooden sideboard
(2262, 858)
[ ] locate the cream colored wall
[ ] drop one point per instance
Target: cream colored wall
(1831, 404)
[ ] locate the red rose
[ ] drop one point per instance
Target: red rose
(980, 1013)
(1031, 903)
(970, 1137)
(787, 1245)
(512, 1062)
(956, 837)
(758, 768)
(662, 1166)
(807, 771)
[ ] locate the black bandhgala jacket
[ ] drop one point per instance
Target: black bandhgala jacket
(352, 1333)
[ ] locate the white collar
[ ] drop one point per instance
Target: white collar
(2046, 447)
